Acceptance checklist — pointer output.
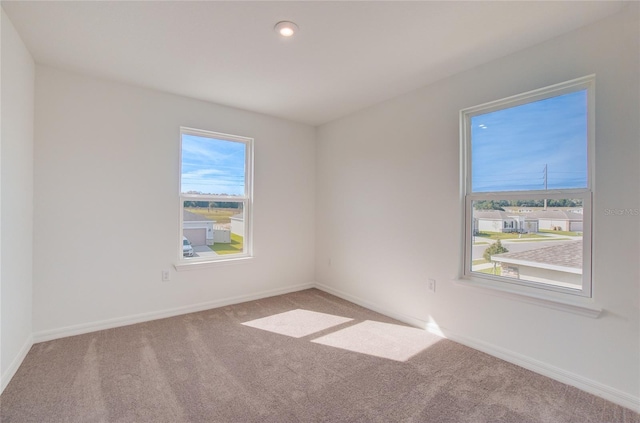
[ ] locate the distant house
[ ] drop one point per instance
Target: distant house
(526, 221)
(501, 221)
(558, 220)
(237, 224)
(557, 265)
(197, 228)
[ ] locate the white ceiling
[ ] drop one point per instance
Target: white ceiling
(346, 56)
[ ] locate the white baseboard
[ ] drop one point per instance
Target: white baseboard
(556, 373)
(374, 307)
(6, 377)
(545, 369)
(48, 335)
(580, 382)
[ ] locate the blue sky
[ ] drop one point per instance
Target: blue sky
(510, 147)
(211, 166)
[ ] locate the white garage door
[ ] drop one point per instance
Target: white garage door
(196, 236)
(575, 226)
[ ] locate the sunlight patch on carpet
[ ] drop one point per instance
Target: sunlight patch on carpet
(297, 323)
(384, 340)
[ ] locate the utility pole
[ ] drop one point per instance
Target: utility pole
(545, 185)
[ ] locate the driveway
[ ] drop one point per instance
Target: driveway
(203, 251)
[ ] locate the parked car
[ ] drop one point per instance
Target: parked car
(187, 249)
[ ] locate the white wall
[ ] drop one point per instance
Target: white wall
(106, 177)
(399, 161)
(490, 225)
(16, 189)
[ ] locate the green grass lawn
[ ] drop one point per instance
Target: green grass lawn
(490, 271)
(479, 261)
(504, 235)
(235, 247)
(565, 233)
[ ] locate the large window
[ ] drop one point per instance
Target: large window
(527, 190)
(215, 196)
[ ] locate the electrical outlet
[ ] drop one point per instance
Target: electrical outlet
(166, 276)
(431, 285)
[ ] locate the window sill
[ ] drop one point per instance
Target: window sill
(195, 265)
(563, 302)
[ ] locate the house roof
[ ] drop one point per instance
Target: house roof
(556, 215)
(565, 255)
(541, 214)
(529, 209)
(188, 216)
(491, 214)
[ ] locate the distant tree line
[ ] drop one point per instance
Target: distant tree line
(501, 204)
(214, 204)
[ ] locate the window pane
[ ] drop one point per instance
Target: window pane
(212, 166)
(523, 240)
(535, 146)
(212, 228)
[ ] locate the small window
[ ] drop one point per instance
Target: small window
(527, 190)
(215, 196)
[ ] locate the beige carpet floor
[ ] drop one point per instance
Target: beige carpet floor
(290, 358)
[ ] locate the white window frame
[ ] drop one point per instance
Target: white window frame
(581, 299)
(246, 199)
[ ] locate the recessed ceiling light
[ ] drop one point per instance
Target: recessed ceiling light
(286, 28)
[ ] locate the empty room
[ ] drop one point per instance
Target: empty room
(346, 211)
